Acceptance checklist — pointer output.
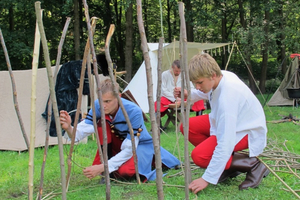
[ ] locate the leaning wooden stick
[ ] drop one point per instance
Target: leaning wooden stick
(14, 91)
(35, 63)
(103, 121)
(53, 97)
(144, 48)
(78, 109)
(186, 112)
(110, 70)
(158, 93)
(49, 105)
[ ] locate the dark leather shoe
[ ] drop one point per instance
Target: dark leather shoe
(254, 176)
(228, 174)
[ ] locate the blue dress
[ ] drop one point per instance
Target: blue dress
(145, 148)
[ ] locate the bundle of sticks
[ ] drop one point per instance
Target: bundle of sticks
(289, 118)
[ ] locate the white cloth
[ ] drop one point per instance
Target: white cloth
(235, 112)
(83, 130)
(168, 85)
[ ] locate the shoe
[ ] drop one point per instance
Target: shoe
(255, 170)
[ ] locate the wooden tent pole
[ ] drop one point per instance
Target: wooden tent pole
(230, 55)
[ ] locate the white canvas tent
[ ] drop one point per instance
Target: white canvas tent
(291, 80)
(11, 137)
(138, 85)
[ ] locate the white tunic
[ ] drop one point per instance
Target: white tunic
(235, 112)
(168, 85)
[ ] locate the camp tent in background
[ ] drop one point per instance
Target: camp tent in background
(138, 85)
(11, 137)
(291, 80)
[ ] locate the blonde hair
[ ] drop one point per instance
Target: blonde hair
(203, 65)
(107, 86)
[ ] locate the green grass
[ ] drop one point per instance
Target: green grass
(14, 170)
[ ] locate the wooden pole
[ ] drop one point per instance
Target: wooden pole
(111, 74)
(186, 112)
(158, 93)
(13, 84)
(78, 109)
(53, 97)
(103, 121)
(35, 63)
(49, 106)
(144, 48)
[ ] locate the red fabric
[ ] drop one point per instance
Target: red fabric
(126, 170)
(199, 136)
(294, 55)
(164, 102)
(198, 106)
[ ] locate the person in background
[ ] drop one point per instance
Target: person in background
(120, 157)
(171, 79)
(236, 122)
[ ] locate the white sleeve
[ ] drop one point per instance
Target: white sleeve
(124, 155)
(197, 95)
(83, 130)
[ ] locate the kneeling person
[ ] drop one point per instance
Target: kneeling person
(121, 162)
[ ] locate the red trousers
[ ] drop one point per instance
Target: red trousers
(197, 106)
(127, 169)
(199, 136)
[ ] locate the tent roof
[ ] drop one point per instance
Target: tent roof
(138, 84)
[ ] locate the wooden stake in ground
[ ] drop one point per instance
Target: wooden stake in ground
(35, 63)
(186, 112)
(49, 106)
(110, 70)
(103, 121)
(13, 84)
(158, 96)
(144, 48)
(53, 97)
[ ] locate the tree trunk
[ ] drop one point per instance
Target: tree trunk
(224, 34)
(169, 21)
(265, 49)
(119, 34)
(128, 45)
(252, 84)
(76, 30)
(189, 21)
(281, 53)
(11, 18)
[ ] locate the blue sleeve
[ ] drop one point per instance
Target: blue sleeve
(89, 117)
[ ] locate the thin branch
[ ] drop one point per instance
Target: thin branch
(14, 91)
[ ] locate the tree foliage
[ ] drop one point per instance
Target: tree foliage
(243, 21)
